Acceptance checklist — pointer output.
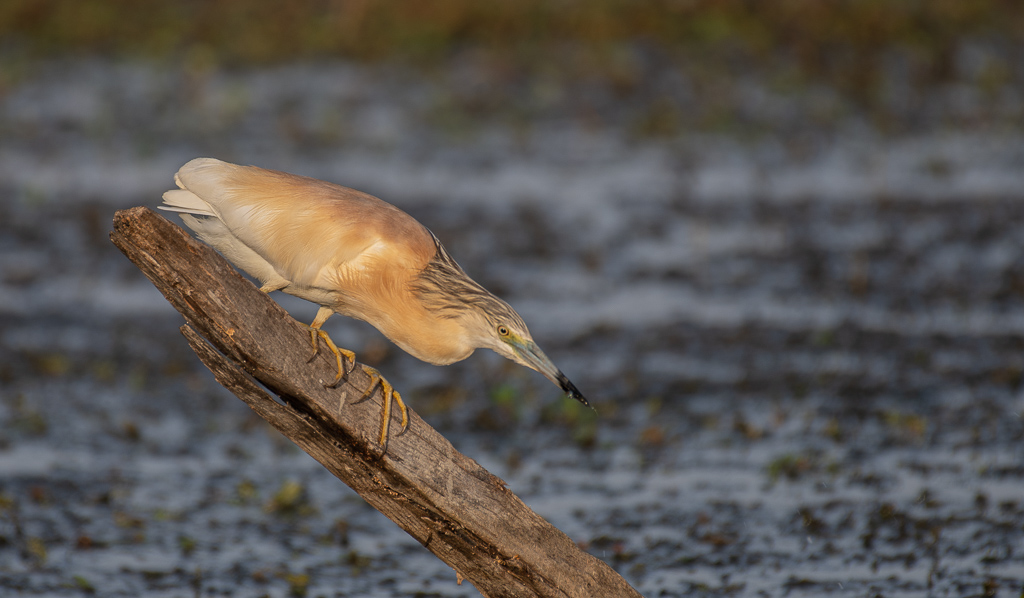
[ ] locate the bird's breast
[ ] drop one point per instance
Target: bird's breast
(436, 350)
(423, 335)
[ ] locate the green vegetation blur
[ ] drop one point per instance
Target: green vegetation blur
(839, 41)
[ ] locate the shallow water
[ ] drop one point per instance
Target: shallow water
(807, 367)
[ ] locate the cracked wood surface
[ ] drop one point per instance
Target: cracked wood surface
(454, 507)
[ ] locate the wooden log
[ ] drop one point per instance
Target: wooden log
(455, 508)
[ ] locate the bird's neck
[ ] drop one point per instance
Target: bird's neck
(436, 340)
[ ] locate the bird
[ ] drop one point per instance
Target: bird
(356, 255)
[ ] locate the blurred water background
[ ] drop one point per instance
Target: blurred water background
(777, 244)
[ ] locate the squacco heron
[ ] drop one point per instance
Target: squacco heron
(356, 255)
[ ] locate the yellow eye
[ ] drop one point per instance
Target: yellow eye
(503, 331)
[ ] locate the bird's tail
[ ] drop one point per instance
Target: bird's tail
(188, 199)
(186, 202)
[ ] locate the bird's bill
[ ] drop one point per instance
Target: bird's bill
(533, 357)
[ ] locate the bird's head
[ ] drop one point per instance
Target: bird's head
(486, 321)
(503, 330)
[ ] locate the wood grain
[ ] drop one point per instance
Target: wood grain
(452, 506)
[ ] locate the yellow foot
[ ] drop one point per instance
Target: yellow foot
(314, 334)
(390, 394)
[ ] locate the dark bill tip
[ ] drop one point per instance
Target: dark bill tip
(571, 390)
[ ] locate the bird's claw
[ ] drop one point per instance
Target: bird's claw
(390, 394)
(314, 335)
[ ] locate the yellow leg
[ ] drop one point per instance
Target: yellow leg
(390, 394)
(315, 333)
(338, 352)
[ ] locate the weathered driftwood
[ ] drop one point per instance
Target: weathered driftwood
(451, 505)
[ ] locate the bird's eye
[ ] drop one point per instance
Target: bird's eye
(502, 330)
